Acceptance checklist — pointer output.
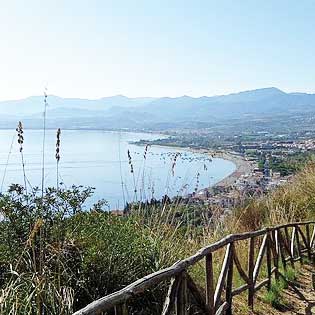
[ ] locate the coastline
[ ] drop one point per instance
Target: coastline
(242, 166)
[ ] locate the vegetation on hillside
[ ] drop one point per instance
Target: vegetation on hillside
(56, 258)
(287, 165)
(292, 202)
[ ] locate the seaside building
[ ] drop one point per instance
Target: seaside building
(267, 168)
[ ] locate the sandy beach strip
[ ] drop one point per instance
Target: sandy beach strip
(243, 167)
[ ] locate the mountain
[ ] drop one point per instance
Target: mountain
(34, 104)
(123, 112)
(261, 101)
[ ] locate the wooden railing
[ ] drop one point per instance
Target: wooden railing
(268, 249)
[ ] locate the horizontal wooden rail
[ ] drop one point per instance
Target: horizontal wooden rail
(277, 245)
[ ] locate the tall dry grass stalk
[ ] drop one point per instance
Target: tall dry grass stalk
(20, 135)
(40, 294)
(44, 141)
(143, 195)
(171, 172)
(120, 171)
(57, 156)
(135, 198)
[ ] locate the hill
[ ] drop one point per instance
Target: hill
(123, 112)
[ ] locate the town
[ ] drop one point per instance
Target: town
(263, 163)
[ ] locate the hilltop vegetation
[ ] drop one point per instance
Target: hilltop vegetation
(55, 258)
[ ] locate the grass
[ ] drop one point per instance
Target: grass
(273, 296)
(290, 274)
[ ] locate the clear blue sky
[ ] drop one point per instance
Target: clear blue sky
(96, 48)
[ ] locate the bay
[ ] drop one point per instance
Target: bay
(99, 159)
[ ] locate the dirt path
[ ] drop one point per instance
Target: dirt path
(300, 295)
(299, 298)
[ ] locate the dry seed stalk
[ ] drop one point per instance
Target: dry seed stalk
(36, 228)
(132, 172)
(197, 182)
(177, 154)
(130, 162)
(143, 171)
(44, 141)
(145, 151)
(20, 133)
(57, 155)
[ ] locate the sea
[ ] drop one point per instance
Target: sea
(99, 159)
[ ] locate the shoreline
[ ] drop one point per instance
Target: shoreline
(242, 166)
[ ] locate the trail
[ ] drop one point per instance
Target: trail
(298, 298)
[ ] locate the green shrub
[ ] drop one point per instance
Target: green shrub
(290, 274)
(56, 258)
(273, 296)
(115, 252)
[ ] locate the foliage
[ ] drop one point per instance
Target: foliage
(287, 164)
(273, 296)
(55, 257)
(290, 274)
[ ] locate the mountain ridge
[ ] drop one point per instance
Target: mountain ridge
(114, 110)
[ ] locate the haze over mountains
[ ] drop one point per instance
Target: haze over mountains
(136, 113)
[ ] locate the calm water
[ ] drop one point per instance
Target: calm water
(99, 159)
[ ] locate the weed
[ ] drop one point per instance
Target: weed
(273, 296)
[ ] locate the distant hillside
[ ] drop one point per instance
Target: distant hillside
(123, 112)
(34, 104)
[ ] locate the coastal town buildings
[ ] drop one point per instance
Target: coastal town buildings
(250, 181)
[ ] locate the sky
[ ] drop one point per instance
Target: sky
(96, 48)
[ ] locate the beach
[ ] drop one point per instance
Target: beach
(243, 167)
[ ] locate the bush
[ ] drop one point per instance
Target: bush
(115, 252)
(56, 258)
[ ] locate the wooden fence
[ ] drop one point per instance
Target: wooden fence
(271, 248)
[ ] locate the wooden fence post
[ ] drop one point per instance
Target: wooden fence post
(222, 277)
(121, 309)
(209, 284)
(288, 241)
(298, 244)
(304, 242)
(293, 235)
(251, 284)
(269, 261)
(229, 283)
(171, 295)
(275, 251)
(282, 248)
(312, 244)
(308, 241)
(182, 297)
